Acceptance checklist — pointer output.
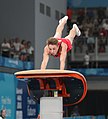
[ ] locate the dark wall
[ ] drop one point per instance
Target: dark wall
(95, 103)
(17, 19)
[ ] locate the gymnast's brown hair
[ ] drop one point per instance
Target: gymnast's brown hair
(52, 41)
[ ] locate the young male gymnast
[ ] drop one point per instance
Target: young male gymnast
(57, 46)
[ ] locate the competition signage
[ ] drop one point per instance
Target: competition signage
(8, 95)
(26, 107)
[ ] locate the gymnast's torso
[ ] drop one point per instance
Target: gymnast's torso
(61, 43)
(67, 42)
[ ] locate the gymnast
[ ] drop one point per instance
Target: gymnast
(57, 46)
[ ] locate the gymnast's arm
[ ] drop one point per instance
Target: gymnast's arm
(45, 58)
(63, 56)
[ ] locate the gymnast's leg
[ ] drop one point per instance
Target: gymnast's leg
(60, 27)
(73, 32)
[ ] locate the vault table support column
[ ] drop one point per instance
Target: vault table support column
(51, 108)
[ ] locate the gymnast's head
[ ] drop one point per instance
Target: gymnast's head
(52, 44)
(52, 41)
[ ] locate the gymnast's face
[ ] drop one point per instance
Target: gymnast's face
(53, 49)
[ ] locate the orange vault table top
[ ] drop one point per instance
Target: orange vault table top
(71, 85)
